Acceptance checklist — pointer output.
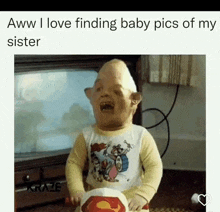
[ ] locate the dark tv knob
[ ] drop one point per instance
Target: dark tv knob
(26, 178)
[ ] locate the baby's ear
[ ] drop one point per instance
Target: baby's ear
(88, 92)
(136, 98)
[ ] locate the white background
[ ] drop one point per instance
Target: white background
(104, 41)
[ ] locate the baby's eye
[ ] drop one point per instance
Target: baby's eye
(98, 89)
(118, 92)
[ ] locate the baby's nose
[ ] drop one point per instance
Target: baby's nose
(105, 93)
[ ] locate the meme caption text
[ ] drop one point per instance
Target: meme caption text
(100, 23)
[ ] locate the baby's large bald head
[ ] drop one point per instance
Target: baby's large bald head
(114, 96)
(117, 69)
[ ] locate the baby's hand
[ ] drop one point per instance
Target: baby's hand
(137, 203)
(77, 198)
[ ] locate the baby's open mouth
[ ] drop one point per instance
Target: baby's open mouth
(106, 106)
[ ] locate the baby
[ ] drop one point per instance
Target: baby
(121, 155)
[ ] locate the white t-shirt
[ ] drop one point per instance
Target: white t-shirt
(114, 161)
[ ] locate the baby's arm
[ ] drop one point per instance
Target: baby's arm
(137, 203)
(151, 161)
(74, 170)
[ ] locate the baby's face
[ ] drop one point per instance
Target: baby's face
(111, 97)
(111, 101)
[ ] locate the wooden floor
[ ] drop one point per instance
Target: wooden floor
(174, 194)
(177, 188)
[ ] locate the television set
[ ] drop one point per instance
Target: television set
(50, 104)
(50, 109)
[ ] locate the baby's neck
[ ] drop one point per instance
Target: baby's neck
(113, 127)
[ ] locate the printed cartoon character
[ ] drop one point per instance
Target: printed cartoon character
(102, 168)
(109, 171)
(108, 165)
(96, 167)
(118, 154)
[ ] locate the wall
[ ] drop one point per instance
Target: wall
(187, 149)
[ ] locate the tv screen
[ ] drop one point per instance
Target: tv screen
(50, 109)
